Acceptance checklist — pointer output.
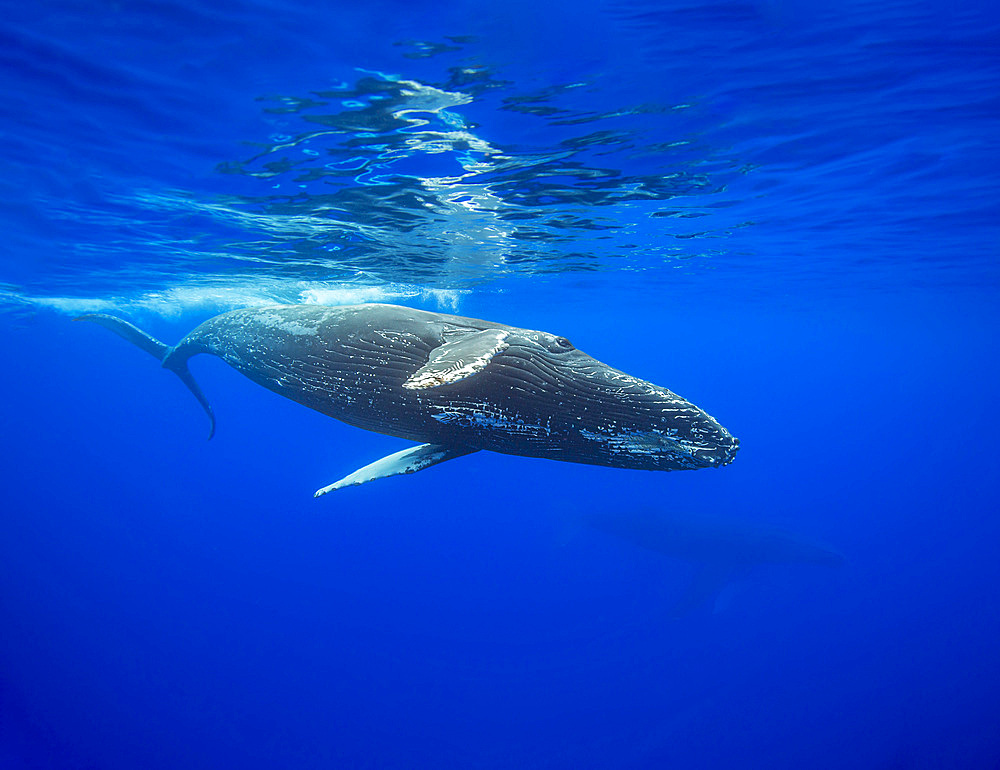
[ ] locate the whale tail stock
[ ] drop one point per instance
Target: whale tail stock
(161, 352)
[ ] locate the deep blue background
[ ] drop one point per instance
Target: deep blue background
(822, 279)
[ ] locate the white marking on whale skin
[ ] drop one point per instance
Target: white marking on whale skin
(397, 339)
(473, 419)
(630, 383)
(286, 325)
(639, 443)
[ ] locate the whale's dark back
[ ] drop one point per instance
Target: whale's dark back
(346, 362)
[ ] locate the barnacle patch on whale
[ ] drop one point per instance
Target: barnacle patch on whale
(454, 361)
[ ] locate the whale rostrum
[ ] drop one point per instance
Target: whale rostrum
(456, 385)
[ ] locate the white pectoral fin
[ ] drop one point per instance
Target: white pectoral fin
(456, 360)
(407, 461)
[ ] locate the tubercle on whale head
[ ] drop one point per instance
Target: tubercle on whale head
(709, 442)
(723, 454)
(730, 454)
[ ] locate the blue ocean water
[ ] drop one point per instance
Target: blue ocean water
(786, 212)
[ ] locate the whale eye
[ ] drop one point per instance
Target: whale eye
(560, 345)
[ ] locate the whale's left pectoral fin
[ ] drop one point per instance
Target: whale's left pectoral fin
(702, 593)
(407, 461)
(458, 359)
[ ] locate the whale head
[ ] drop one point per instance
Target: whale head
(626, 421)
(539, 395)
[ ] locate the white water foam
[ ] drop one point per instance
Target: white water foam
(177, 301)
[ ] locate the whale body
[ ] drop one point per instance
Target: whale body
(724, 548)
(455, 384)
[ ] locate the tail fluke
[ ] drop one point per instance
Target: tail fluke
(161, 352)
(133, 334)
(182, 371)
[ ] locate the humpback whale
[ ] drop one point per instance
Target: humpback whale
(723, 548)
(456, 385)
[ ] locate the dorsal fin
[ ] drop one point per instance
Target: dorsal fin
(454, 361)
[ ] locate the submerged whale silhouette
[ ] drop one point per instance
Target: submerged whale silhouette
(723, 548)
(459, 385)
